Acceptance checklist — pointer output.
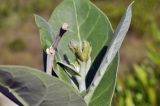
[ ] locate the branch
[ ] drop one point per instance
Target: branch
(51, 50)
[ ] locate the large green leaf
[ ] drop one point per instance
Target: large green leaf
(86, 22)
(34, 88)
(46, 32)
(103, 93)
(102, 87)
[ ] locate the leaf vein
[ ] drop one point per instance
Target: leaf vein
(93, 26)
(86, 16)
(76, 16)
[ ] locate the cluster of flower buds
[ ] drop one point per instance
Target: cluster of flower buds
(82, 50)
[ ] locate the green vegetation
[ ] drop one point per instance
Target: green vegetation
(17, 45)
(14, 11)
(71, 31)
(145, 25)
(141, 87)
(144, 13)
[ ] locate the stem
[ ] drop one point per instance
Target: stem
(50, 59)
(82, 85)
(84, 68)
(81, 79)
(51, 50)
(62, 30)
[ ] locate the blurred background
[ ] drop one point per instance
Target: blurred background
(138, 81)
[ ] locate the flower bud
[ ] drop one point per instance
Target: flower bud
(81, 51)
(86, 50)
(74, 46)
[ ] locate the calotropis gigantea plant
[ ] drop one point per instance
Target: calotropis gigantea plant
(82, 50)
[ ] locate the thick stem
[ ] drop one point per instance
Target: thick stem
(62, 30)
(84, 68)
(51, 50)
(50, 59)
(82, 84)
(81, 79)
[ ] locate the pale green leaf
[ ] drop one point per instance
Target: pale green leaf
(86, 22)
(108, 67)
(35, 88)
(46, 32)
(71, 70)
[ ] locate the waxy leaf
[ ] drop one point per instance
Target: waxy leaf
(32, 87)
(71, 70)
(86, 22)
(46, 32)
(103, 94)
(118, 36)
(102, 91)
(46, 38)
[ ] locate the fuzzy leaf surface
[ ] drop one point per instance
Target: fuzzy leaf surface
(86, 22)
(108, 67)
(34, 88)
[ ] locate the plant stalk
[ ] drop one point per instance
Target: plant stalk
(52, 49)
(84, 68)
(81, 79)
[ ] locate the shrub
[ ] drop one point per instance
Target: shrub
(79, 41)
